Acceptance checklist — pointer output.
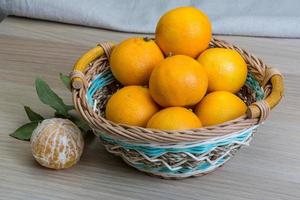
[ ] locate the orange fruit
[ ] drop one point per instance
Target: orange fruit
(174, 118)
(178, 81)
(218, 107)
(131, 105)
(133, 60)
(57, 143)
(226, 69)
(183, 30)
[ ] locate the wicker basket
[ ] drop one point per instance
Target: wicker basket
(173, 154)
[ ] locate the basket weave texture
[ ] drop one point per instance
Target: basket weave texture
(172, 154)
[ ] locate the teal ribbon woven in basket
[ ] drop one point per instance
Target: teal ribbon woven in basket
(254, 85)
(194, 149)
(202, 167)
(198, 148)
(101, 80)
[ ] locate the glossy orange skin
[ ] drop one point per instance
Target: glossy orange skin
(218, 107)
(178, 81)
(174, 118)
(131, 105)
(133, 60)
(183, 31)
(226, 69)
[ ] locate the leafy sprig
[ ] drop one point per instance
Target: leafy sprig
(50, 98)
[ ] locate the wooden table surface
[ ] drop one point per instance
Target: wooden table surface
(268, 169)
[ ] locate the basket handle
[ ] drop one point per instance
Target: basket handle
(83, 62)
(261, 108)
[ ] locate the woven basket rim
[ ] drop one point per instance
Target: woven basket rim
(139, 134)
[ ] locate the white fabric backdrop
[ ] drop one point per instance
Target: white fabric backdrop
(280, 18)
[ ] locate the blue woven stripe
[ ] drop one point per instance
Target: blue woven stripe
(99, 81)
(201, 148)
(202, 167)
(254, 85)
(198, 149)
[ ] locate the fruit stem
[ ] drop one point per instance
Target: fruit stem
(169, 54)
(147, 39)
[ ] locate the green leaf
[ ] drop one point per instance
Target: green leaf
(48, 97)
(25, 131)
(70, 107)
(56, 114)
(80, 123)
(66, 80)
(32, 116)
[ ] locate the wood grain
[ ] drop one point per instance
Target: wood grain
(268, 169)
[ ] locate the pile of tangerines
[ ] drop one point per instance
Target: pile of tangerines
(174, 82)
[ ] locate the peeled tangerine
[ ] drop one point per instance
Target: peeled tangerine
(57, 143)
